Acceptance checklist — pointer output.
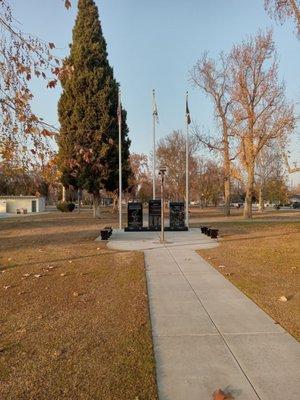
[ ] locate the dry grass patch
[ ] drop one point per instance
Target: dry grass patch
(74, 315)
(212, 214)
(263, 260)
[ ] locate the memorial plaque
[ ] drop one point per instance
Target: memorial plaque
(135, 215)
(155, 214)
(177, 215)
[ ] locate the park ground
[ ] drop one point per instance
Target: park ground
(74, 314)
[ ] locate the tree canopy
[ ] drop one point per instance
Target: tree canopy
(88, 140)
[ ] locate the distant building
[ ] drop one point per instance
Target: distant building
(22, 204)
(2, 206)
(106, 201)
(295, 198)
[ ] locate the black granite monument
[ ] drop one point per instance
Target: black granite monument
(134, 216)
(177, 216)
(154, 215)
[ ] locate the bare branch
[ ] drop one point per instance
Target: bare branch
(260, 108)
(284, 9)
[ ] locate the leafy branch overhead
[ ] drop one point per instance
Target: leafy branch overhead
(22, 57)
(24, 136)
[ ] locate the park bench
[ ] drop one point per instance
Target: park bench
(106, 232)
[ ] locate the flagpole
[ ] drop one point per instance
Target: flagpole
(154, 147)
(120, 157)
(187, 167)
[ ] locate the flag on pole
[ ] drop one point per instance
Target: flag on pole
(188, 121)
(155, 112)
(119, 114)
(187, 111)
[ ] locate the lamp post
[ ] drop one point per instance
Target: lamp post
(162, 172)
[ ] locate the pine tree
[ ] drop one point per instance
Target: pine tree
(88, 140)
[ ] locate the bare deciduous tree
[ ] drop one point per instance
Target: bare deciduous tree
(207, 189)
(291, 169)
(171, 153)
(269, 164)
(214, 82)
(283, 9)
(140, 172)
(261, 111)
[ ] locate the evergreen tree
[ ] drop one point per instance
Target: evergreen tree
(88, 140)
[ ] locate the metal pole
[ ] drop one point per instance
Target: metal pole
(154, 156)
(162, 234)
(120, 158)
(187, 172)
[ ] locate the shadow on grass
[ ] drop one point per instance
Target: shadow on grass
(247, 238)
(55, 221)
(39, 240)
(57, 260)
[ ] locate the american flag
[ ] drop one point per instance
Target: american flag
(187, 111)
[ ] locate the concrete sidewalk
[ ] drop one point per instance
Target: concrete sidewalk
(207, 334)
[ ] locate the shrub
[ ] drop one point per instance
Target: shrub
(65, 206)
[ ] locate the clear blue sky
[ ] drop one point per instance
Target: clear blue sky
(153, 44)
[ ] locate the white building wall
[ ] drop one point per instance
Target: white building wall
(14, 203)
(2, 206)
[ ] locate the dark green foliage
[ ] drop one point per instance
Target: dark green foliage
(88, 141)
(65, 206)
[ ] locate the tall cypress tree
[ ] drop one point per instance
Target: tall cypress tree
(88, 140)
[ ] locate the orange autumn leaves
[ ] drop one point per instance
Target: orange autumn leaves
(220, 395)
(25, 138)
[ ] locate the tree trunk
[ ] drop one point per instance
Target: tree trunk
(248, 205)
(96, 205)
(63, 193)
(115, 203)
(249, 193)
(227, 166)
(78, 198)
(227, 196)
(261, 202)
